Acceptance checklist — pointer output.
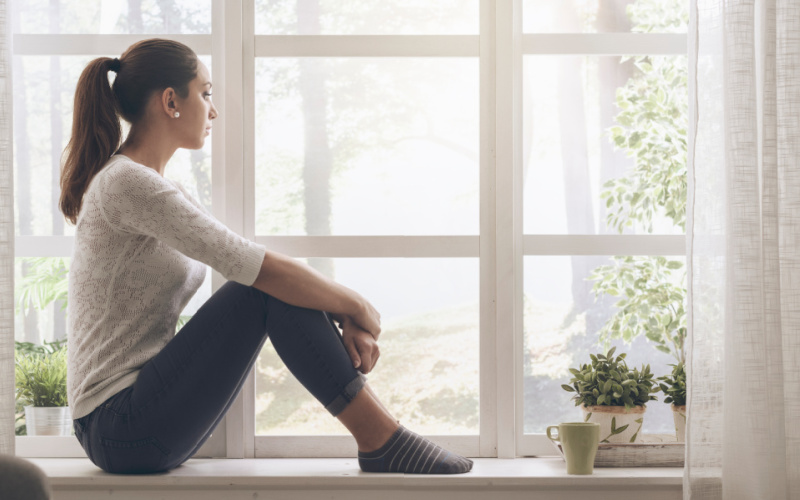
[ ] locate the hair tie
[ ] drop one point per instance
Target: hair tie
(115, 63)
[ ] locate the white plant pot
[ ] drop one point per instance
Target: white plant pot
(48, 421)
(679, 416)
(617, 425)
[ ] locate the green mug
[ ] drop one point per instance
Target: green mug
(579, 441)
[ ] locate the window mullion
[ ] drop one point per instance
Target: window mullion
(247, 84)
(229, 170)
(488, 235)
(508, 277)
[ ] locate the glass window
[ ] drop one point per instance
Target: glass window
(605, 16)
(605, 144)
(427, 375)
(363, 146)
(157, 17)
(565, 320)
(390, 146)
(372, 17)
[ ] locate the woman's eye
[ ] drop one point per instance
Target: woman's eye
(207, 95)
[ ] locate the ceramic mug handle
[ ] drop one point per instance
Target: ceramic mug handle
(557, 438)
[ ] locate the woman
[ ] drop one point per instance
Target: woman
(144, 400)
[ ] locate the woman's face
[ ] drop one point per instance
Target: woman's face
(196, 111)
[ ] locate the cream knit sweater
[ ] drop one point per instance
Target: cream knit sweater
(141, 248)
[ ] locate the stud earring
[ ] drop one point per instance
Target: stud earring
(176, 115)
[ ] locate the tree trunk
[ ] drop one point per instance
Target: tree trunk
(22, 177)
(574, 154)
(170, 16)
(135, 24)
(611, 18)
(612, 73)
(318, 160)
(56, 139)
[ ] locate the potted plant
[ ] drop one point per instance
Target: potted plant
(674, 388)
(613, 395)
(41, 388)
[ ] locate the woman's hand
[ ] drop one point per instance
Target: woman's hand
(368, 319)
(360, 344)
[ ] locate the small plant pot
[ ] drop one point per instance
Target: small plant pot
(679, 416)
(617, 424)
(48, 421)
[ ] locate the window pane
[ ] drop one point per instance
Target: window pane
(44, 90)
(155, 17)
(360, 146)
(372, 17)
(427, 375)
(593, 120)
(36, 320)
(563, 323)
(605, 16)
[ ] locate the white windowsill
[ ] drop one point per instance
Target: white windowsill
(341, 478)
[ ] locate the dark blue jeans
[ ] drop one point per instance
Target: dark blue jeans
(181, 394)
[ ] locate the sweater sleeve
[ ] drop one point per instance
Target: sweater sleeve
(137, 200)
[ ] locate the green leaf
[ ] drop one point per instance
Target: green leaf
(622, 429)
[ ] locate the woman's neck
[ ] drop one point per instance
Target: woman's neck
(148, 147)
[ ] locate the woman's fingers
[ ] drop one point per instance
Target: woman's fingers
(369, 352)
(349, 345)
(361, 347)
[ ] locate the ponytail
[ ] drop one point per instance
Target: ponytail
(147, 67)
(96, 134)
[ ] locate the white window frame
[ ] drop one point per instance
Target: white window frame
(500, 245)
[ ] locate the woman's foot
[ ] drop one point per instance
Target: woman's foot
(386, 446)
(411, 453)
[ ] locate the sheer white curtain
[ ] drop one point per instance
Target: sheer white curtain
(743, 432)
(6, 244)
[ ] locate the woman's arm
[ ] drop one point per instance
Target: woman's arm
(300, 285)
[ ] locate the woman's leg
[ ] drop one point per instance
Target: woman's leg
(183, 392)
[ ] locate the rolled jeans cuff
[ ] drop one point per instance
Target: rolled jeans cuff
(338, 405)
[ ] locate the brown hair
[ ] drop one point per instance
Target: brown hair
(147, 67)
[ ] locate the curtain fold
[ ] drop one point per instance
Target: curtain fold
(743, 242)
(6, 243)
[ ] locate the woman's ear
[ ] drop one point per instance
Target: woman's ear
(168, 104)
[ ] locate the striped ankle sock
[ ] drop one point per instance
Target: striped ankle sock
(409, 452)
